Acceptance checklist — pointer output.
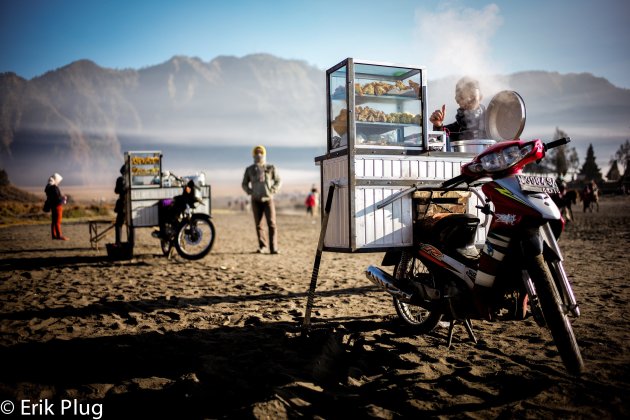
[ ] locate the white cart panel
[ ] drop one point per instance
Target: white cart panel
(387, 227)
(391, 226)
(335, 170)
(144, 204)
(412, 168)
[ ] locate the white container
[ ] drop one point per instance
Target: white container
(471, 146)
(199, 178)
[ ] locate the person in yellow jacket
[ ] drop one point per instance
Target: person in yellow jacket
(261, 181)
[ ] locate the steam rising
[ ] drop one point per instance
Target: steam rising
(455, 41)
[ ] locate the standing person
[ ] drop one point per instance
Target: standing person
(470, 119)
(311, 202)
(594, 194)
(55, 201)
(261, 181)
(119, 209)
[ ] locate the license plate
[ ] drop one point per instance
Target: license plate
(536, 183)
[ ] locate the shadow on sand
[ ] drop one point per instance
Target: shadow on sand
(123, 308)
(225, 371)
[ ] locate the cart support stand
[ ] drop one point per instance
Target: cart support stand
(318, 257)
(469, 330)
(95, 235)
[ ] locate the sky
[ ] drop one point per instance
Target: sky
(447, 37)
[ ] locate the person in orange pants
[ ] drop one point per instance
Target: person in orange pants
(54, 201)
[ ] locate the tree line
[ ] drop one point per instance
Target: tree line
(564, 161)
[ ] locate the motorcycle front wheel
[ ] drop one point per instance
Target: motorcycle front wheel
(557, 319)
(423, 320)
(194, 239)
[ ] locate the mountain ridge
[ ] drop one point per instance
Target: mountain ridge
(81, 116)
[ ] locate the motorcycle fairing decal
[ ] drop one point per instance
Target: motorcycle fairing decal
(496, 246)
(489, 249)
(494, 250)
(498, 240)
(436, 256)
(508, 219)
(509, 194)
(433, 254)
(515, 201)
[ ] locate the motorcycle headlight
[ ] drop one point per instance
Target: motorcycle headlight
(503, 159)
(511, 155)
(492, 162)
(525, 150)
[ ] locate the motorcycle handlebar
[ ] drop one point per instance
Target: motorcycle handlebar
(454, 181)
(556, 143)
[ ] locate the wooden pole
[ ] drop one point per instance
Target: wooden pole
(318, 257)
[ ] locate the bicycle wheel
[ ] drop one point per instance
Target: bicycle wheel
(195, 239)
(556, 318)
(410, 268)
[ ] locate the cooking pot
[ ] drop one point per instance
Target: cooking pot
(475, 146)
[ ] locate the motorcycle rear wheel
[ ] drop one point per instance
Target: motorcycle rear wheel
(557, 320)
(195, 238)
(423, 320)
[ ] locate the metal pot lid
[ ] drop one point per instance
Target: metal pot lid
(505, 116)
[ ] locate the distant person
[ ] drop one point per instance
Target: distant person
(562, 186)
(261, 181)
(170, 209)
(470, 118)
(54, 201)
(311, 202)
(590, 196)
(186, 198)
(120, 208)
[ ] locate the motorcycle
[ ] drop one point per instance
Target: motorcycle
(520, 264)
(191, 234)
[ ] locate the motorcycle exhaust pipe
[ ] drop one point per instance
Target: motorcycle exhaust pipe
(386, 282)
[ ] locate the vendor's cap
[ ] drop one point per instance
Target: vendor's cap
(259, 149)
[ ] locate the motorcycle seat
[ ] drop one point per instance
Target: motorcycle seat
(451, 232)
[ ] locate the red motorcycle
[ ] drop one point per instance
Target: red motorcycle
(520, 264)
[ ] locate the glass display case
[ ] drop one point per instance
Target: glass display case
(145, 169)
(376, 105)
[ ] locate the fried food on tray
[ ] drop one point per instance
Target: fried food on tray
(340, 123)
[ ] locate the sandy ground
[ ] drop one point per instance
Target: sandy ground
(220, 337)
(222, 192)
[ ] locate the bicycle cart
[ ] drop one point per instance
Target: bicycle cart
(149, 188)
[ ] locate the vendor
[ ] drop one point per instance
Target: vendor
(470, 119)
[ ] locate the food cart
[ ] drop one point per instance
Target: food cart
(380, 144)
(148, 184)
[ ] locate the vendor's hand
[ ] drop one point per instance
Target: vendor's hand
(437, 118)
